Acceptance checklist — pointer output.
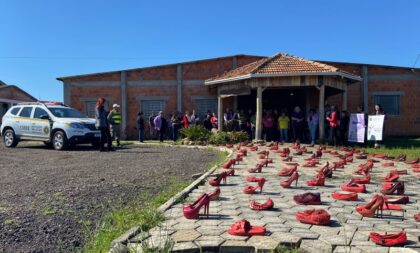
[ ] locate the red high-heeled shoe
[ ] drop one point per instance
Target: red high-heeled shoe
(311, 163)
(391, 177)
(252, 189)
(362, 180)
(365, 168)
(340, 164)
(325, 165)
(417, 217)
(287, 159)
(314, 217)
(230, 172)
(253, 179)
(312, 157)
(219, 177)
(389, 239)
(390, 199)
(191, 211)
(388, 164)
(318, 154)
(228, 164)
(286, 151)
(349, 159)
(413, 161)
(352, 187)
(374, 206)
(398, 188)
(400, 172)
(287, 171)
(350, 196)
(214, 194)
(254, 205)
(257, 169)
(319, 180)
(288, 182)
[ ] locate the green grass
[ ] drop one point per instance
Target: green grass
(141, 211)
(396, 146)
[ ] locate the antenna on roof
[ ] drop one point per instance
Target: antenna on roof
(415, 62)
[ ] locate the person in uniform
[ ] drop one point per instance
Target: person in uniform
(114, 118)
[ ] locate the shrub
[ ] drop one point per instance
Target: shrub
(228, 137)
(196, 133)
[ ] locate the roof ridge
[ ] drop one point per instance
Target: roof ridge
(266, 61)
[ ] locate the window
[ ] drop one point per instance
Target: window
(66, 112)
(90, 108)
(204, 105)
(15, 110)
(390, 103)
(152, 106)
(39, 112)
(26, 112)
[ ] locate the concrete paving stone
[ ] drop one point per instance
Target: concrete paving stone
(139, 237)
(252, 215)
(229, 237)
(402, 250)
(272, 220)
(304, 233)
(325, 230)
(211, 245)
(362, 243)
(344, 249)
(185, 247)
(185, 225)
(263, 243)
(296, 224)
(185, 235)
(160, 230)
(320, 246)
(229, 212)
(287, 239)
(208, 222)
(209, 231)
(373, 249)
(235, 246)
(336, 240)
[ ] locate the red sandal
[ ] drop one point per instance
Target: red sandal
(244, 228)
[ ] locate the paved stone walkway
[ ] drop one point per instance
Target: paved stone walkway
(347, 232)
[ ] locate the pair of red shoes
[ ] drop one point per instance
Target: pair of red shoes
(221, 176)
(191, 211)
(294, 177)
(252, 189)
(350, 196)
(392, 176)
(353, 187)
(375, 205)
(286, 171)
(254, 205)
(389, 239)
(309, 198)
(244, 228)
(256, 169)
(314, 217)
(319, 180)
(362, 180)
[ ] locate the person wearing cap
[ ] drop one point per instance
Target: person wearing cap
(114, 118)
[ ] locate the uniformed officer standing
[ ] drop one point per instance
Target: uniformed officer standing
(114, 118)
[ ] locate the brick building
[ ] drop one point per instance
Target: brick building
(183, 86)
(11, 95)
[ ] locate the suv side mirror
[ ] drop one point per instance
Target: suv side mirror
(45, 116)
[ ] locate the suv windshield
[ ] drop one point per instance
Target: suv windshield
(66, 112)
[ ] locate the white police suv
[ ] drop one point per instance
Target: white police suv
(53, 123)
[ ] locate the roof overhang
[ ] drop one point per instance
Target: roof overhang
(249, 76)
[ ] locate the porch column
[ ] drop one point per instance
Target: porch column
(258, 114)
(344, 99)
(219, 113)
(321, 112)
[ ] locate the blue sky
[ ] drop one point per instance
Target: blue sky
(42, 40)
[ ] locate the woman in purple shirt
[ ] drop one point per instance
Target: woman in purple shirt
(297, 123)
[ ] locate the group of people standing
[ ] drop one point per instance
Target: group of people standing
(283, 126)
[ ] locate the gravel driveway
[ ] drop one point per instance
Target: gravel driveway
(48, 197)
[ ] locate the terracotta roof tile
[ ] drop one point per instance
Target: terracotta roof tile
(279, 64)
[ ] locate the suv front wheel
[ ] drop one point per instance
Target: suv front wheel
(59, 140)
(9, 138)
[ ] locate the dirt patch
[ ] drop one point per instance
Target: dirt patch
(48, 198)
